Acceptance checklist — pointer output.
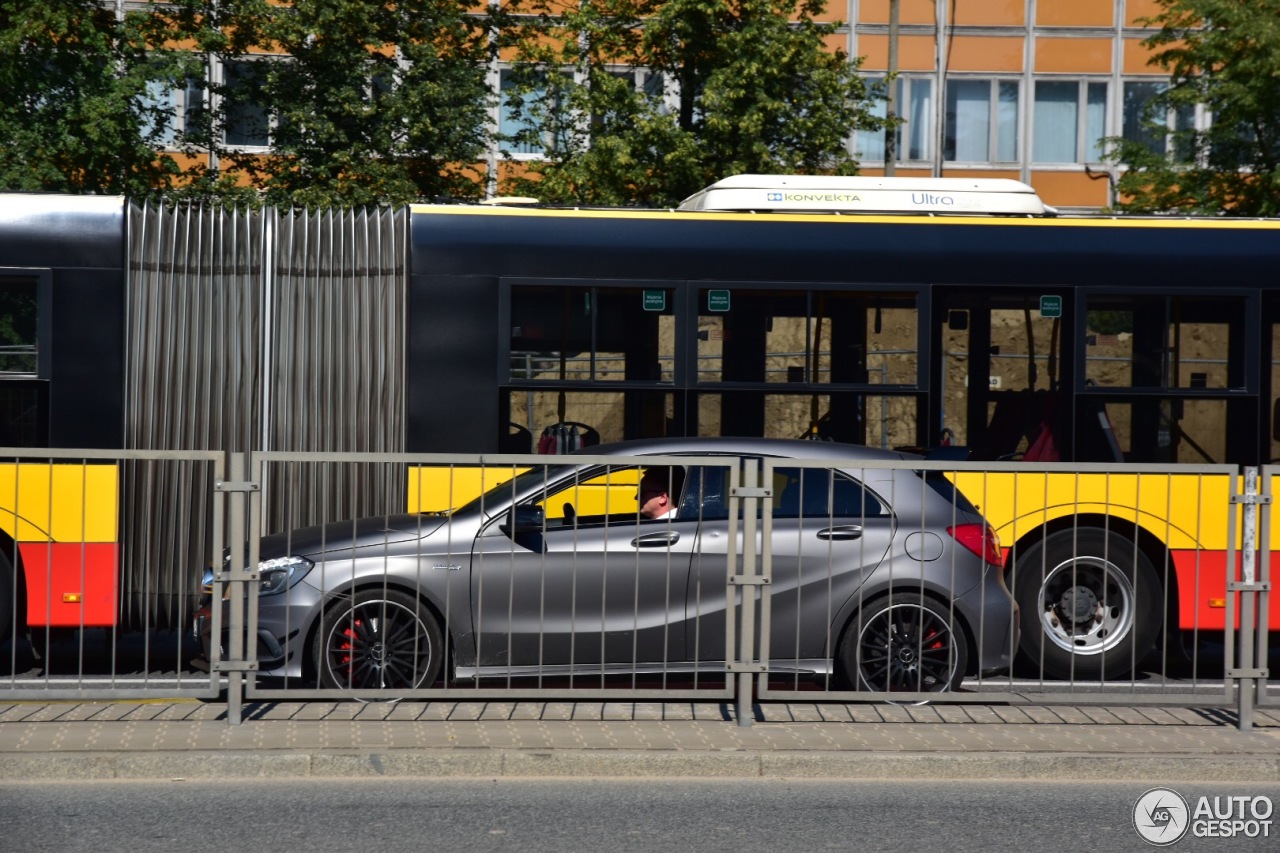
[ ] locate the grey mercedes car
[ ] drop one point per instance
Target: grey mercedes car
(880, 577)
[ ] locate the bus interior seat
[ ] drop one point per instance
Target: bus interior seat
(567, 436)
(519, 439)
(1018, 415)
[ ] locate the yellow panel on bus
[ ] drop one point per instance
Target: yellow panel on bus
(59, 502)
(439, 489)
(1183, 511)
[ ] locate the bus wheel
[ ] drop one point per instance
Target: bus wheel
(376, 640)
(1090, 603)
(904, 643)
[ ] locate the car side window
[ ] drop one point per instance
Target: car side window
(820, 493)
(594, 498)
(705, 494)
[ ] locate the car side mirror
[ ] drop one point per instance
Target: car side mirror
(525, 519)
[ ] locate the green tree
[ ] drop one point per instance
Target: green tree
(79, 112)
(730, 86)
(1224, 54)
(376, 102)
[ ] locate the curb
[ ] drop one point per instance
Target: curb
(521, 764)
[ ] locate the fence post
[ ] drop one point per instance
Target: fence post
(1245, 675)
(747, 637)
(237, 575)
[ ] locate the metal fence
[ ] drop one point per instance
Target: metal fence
(772, 582)
(86, 611)
(820, 578)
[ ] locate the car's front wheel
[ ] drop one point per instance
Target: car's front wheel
(378, 639)
(904, 642)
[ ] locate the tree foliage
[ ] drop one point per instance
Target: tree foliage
(1224, 54)
(732, 86)
(377, 102)
(76, 115)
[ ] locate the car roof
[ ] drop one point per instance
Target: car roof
(780, 447)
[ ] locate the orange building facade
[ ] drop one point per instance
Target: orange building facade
(1024, 89)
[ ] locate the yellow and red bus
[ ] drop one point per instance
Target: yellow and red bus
(954, 319)
(958, 319)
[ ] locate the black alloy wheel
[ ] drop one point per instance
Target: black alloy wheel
(378, 640)
(906, 643)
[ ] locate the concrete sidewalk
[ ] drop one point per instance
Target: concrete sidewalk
(190, 739)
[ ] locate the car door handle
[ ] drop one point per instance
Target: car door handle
(847, 531)
(656, 540)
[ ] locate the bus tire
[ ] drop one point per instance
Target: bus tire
(1090, 604)
(378, 639)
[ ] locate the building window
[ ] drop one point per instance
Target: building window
(915, 107)
(1147, 123)
(982, 121)
(248, 120)
(516, 124)
(159, 107)
(1069, 121)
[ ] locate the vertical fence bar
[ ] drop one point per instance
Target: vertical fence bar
(747, 640)
(1244, 675)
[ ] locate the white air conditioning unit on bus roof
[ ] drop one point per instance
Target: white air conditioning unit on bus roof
(831, 194)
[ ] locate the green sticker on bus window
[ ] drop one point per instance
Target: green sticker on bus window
(717, 300)
(655, 300)
(1051, 306)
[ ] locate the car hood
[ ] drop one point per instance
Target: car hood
(344, 535)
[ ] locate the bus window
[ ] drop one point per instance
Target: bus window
(1001, 375)
(613, 416)
(807, 337)
(1153, 429)
(1165, 342)
(591, 333)
(18, 327)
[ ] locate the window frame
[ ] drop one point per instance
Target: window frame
(1201, 119)
(269, 114)
(950, 141)
(921, 135)
(1083, 145)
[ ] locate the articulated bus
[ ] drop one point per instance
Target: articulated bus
(960, 319)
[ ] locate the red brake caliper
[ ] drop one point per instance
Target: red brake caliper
(350, 642)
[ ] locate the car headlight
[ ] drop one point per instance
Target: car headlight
(280, 573)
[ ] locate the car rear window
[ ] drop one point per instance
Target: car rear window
(939, 483)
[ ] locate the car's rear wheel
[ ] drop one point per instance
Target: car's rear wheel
(1091, 604)
(905, 642)
(378, 640)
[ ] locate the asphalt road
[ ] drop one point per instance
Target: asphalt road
(611, 815)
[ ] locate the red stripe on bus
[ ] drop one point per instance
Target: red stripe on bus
(1202, 578)
(58, 572)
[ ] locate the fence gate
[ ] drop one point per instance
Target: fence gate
(549, 585)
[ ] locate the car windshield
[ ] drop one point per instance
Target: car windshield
(504, 492)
